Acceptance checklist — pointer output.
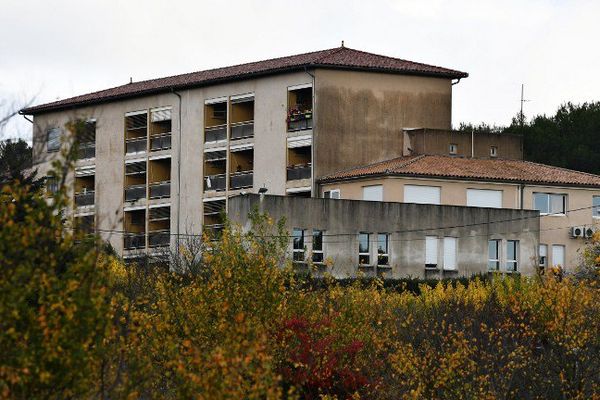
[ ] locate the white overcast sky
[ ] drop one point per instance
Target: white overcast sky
(59, 48)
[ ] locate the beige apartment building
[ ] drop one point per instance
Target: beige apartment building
(568, 201)
(161, 158)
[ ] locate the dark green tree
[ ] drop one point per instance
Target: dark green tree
(16, 164)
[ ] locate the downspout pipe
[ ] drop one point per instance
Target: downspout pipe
(312, 147)
(178, 168)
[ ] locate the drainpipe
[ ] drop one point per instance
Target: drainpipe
(178, 168)
(521, 193)
(472, 143)
(312, 147)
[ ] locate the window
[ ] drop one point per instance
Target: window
(493, 151)
(596, 206)
(53, 139)
(51, 185)
(317, 246)
(494, 255)
(298, 246)
(512, 255)
(453, 148)
(449, 253)
(364, 255)
(431, 252)
(548, 203)
(373, 193)
(543, 262)
(422, 194)
(331, 194)
(558, 255)
(484, 198)
(383, 258)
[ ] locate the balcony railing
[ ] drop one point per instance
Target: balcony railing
(134, 241)
(241, 180)
(137, 145)
(215, 182)
(242, 130)
(159, 238)
(84, 199)
(300, 121)
(133, 193)
(162, 142)
(215, 133)
(160, 189)
(296, 172)
(87, 150)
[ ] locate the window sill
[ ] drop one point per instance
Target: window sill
(552, 215)
(365, 266)
(385, 266)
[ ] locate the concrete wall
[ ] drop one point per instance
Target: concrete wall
(554, 229)
(434, 141)
(360, 116)
(408, 224)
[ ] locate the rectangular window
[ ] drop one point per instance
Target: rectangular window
(53, 139)
(543, 256)
(51, 185)
(331, 194)
(317, 246)
(373, 193)
(431, 252)
(298, 250)
(449, 253)
(558, 255)
(549, 203)
(453, 149)
(596, 206)
(494, 255)
(484, 198)
(383, 257)
(512, 255)
(493, 151)
(364, 254)
(422, 194)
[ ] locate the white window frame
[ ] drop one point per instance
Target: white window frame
(368, 252)
(333, 194)
(543, 253)
(450, 259)
(431, 252)
(512, 265)
(374, 191)
(385, 254)
(320, 251)
(298, 252)
(474, 202)
(496, 260)
(564, 255)
(549, 203)
(437, 189)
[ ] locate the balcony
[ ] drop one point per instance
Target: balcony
(215, 182)
(159, 238)
(133, 193)
(134, 241)
(160, 142)
(137, 145)
(87, 150)
(160, 190)
(242, 130)
(297, 172)
(300, 122)
(84, 199)
(215, 133)
(240, 180)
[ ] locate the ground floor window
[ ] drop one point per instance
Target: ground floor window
(298, 244)
(558, 255)
(494, 255)
(364, 256)
(512, 255)
(383, 241)
(317, 246)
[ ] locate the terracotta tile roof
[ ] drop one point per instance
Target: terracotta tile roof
(340, 57)
(498, 170)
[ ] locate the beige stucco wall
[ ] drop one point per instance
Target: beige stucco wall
(554, 230)
(360, 115)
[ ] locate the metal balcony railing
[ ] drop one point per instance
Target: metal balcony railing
(241, 180)
(136, 145)
(162, 142)
(159, 238)
(84, 198)
(133, 193)
(215, 133)
(296, 172)
(215, 182)
(160, 189)
(134, 241)
(87, 150)
(242, 130)
(299, 124)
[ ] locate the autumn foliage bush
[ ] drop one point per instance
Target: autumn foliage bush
(76, 322)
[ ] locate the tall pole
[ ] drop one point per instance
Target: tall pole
(521, 119)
